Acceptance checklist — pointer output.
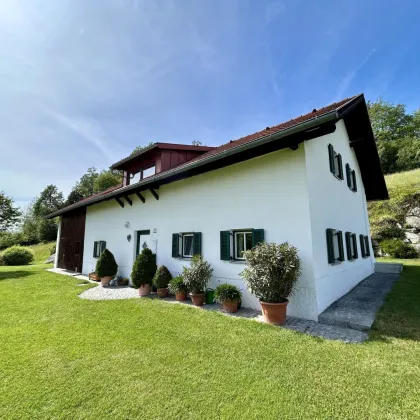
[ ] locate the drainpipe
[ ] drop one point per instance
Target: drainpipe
(57, 246)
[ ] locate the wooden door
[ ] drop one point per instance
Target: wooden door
(70, 256)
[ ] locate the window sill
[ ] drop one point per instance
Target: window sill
(238, 262)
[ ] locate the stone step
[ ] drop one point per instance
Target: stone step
(384, 267)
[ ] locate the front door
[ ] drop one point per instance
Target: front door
(143, 241)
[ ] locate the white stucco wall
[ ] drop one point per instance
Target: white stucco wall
(268, 192)
(334, 205)
(57, 246)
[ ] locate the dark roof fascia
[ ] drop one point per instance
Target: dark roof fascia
(159, 179)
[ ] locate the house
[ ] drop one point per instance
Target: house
(306, 181)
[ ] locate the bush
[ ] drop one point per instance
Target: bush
(197, 276)
(18, 255)
(106, 265)
(386, 228)
(398, 249)
(272, 271)
(53, 249)
(144, 268)
(1, 260)
(162, 277)
(177, 285)
(226, 292)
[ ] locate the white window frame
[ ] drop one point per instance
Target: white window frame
(235, 247)
(183, 235)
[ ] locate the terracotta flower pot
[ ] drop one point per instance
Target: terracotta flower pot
(106, 280)
(198, 298)
(162, 292)
(230, 306)
(145, 289)
(181, 296)
(274, 313)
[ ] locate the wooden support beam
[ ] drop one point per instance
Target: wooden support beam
(128, 200)
(356, 141)
(140, 197)
(119, 202)
(154, 193)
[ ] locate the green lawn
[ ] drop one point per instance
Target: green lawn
(64, 357)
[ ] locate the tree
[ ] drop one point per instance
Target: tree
(139, 149)
(47, 230)
(29, 228)
(86, 185)
(105, 180)
(9, 215)
(197, 143)
(50, 200)
(74, 196)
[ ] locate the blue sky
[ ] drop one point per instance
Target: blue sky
(84, 82)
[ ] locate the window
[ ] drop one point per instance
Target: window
(335, 247)
(336, 165)
(233, 243)
(149, 172)
(186, 245)
(351, 178)
(364, 246)
(98, 248)
(243, 242)
(351, 245)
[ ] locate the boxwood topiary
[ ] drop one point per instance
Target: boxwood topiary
(144, 268)
(162, 277)
(398, 249)
(106, 265)
(18, 255)
(226, 292)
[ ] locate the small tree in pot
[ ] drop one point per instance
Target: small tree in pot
(271, 275)
(178, 287)
(144, 268)
(106, 267)
(196, 278)
(229, 296)
(161, 280)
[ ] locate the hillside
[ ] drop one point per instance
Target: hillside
(398, 217)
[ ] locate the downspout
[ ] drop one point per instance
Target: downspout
(57, 245)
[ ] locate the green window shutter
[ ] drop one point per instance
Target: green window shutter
(353, 238)
(331, 156)
(340, 245)
(362, 245)
(330, 246)
(367, 246)
(340, 166)
(348, 246)
(197, 243)
(353, 174)
(257, 237)
(175, 245)
(348, 174)
(95, 249)
(225, 245)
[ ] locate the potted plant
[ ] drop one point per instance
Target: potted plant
(229, 296)
(94, 276)
(144, 268)
(178, 287)
(271, 275)
(106, 267)
(161, 280)
(196, 278)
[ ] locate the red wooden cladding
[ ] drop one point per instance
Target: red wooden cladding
(70, 256)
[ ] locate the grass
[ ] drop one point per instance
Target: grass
(63, 357)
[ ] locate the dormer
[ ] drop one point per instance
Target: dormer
(157, 158)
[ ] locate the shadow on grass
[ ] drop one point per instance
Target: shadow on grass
(399, 317)
(7, 275)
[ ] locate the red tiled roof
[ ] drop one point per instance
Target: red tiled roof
(316, 113)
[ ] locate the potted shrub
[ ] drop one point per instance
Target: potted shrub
(106, 267)
(178, 287)
(161, 280)
(144, 268)
(196, 278)
(271, 275)
(229, 296)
